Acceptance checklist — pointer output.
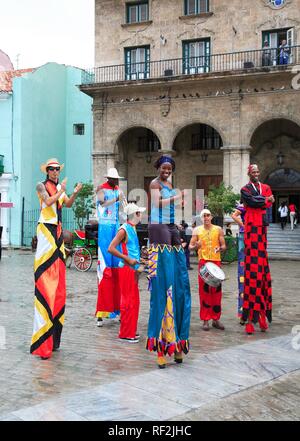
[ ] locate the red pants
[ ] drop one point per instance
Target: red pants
(210, 297)
(130, 302)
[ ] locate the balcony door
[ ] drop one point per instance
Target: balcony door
(137, 62)
(196, 56)
(275, 38)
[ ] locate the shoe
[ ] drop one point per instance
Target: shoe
(99, 322)
(178, 357)
(161, 362)
(242, 322)
(137, 335)
(130, 340)
(190, 268)
(218, 325)
(249, 329)
(262, 323)
(45, 358)
(205, 326)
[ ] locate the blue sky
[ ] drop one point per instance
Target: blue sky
(41, 31)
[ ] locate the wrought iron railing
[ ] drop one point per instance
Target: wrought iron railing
(268, 58)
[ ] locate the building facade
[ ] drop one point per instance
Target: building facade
(45, 116)
(213, 83)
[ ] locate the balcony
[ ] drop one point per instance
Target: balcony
(263, 60)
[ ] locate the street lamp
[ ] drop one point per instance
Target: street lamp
(204, 157)
(280, 158)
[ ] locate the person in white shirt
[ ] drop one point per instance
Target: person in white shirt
(283, 212)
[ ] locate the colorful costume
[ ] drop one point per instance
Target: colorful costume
(257, 280)
(170, 302)
(50, 277)
(241, 260)
(108, 302)
(128, 276)
(210, 297)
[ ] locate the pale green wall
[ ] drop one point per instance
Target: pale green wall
(46, 104)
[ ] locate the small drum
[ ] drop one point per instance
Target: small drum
(212, 274)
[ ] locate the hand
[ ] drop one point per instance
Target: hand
(131, 262)
(271, 199)
(64, 184)
(78, 187)
(198, 244)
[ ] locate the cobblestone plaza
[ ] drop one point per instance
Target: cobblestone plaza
(226, 376)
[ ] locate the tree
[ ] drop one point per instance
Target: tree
(221, 200)
(84, 204)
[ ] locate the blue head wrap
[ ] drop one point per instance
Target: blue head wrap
(163, 159)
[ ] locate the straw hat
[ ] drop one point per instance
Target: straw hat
(52, 162)
(113, 173)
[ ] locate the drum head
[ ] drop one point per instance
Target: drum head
(215, 270)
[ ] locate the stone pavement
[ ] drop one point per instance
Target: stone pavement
(96, 377)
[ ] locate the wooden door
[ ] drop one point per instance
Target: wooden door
(204, 182)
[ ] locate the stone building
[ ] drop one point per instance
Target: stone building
(205, 81)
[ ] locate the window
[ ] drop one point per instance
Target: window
(136, 12)
(148, 143)
(78, 129)
(207, 138)
(274, 38)
(192, 7)
(196, 56)
(137, 63)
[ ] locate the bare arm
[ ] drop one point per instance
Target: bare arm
(156, 198)
(236, 216)
(120, 237)
(104, 203)
(195, 244)
(49, 200)
(69, 201)
(222, 242)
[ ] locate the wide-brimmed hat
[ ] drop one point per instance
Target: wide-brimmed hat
(52, 162)
(113, 173)
(133, 208)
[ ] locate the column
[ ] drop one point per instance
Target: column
(235, 164)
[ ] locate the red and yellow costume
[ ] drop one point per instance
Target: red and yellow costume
(50, 277)
(210, 297)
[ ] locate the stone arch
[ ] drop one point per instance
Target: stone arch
(260, 121)
(191, 122)
(116, 139)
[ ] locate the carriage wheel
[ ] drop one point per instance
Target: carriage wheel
(82, 259)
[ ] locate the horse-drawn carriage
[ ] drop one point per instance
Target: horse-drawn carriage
(81, 246)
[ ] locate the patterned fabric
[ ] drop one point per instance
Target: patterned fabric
(108, 301)
(241, 271)
(51, 215)
(170, 302)
(257, 281)
(210, 297)
(50, 284)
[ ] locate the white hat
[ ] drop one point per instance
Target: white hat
(205, 211)
(52, 162)
(113, 173)
(133, 208)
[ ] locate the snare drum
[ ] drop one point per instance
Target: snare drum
(212, 274)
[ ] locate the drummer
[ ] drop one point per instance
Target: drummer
(208, 240)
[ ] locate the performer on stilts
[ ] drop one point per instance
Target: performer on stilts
(257, 305)
(49, 263)
(108, 201)
(170, 302)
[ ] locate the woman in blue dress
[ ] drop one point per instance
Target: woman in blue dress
(170, 302)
